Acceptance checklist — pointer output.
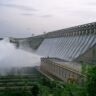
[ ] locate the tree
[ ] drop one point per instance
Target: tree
(35, 90)
(91, 81)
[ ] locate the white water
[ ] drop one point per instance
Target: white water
(12, 57)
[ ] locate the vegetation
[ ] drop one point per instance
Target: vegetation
(91, 81)
(30, 86)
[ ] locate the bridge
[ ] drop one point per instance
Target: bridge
(75, 46)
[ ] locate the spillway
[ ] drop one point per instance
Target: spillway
(67, 48)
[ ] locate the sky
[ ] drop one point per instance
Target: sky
(22, 18)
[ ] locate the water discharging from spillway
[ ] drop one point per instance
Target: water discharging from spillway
(12, 57)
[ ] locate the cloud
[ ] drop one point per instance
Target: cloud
(92, 4)
(46, 16)
(27, 14)
(21, 7)
(37, 15)
(86, 13)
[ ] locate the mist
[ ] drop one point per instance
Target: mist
(11, 57)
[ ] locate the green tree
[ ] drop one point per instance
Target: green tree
(35, 90)
(91, 81)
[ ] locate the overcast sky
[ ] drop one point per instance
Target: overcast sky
(21, 18)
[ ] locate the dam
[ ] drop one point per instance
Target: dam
(72, 47)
